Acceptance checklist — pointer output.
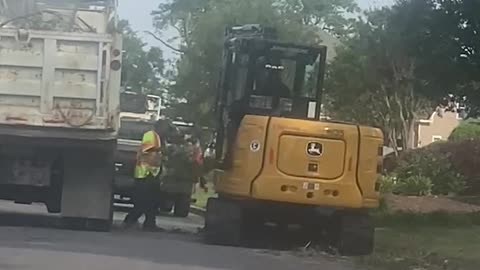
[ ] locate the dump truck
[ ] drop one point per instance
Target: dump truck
(278, 160)
(60, 68)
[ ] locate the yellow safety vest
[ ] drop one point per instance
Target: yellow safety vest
(149, 157)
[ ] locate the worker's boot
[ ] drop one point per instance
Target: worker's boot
(150, 224)
(129, 222)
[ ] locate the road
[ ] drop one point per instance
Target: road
(31, 240)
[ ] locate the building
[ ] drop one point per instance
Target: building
(437, 128)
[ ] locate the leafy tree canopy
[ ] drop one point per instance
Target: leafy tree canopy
(142, 67)
(201, 24)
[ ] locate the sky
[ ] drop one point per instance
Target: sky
(137, 12)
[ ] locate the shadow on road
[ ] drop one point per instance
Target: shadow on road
(171, 246)
(30, 220)
(284, 239)
(265, 237)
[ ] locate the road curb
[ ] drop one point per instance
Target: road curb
(197, 211)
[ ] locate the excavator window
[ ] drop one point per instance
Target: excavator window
(266, 77)
(275, 83)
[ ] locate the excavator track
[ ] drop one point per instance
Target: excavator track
(223, 222)
(352, 233)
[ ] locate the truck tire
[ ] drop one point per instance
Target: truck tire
(182, 205)
(167, 205)
(354, 233)
(53, 201)
(223, 222)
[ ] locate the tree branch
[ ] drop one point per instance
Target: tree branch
(165, 43)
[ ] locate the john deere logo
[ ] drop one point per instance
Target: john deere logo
(314, 149)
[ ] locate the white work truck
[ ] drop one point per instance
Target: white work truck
(60, 69)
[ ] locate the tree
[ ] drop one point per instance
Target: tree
(374, 79)
(399, 58)
(451, 50)
(328, 15)
(142, 69)
(200, 25)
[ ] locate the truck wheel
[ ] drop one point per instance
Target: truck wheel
(54, 193)
(167, 206)
(223, 221)
(182, 206)
(354, 235)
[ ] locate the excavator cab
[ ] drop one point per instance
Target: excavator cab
(277, 161)
(262, 76)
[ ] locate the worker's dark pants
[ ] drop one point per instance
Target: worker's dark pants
(144, 201)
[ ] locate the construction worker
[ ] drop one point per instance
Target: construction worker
(147, 178)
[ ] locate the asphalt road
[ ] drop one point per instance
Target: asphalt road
(31, 240)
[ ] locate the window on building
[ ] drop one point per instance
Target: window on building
(436, 138)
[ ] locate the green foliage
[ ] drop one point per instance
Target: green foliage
(142, 69)
(466, 131)
(387, 183)
(200, 25)
(402, 60)
(415, 185)
(452, 166)
(451, 47)
(430, 163)
(465, 157)
(374, 79)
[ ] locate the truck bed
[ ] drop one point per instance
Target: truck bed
(56, 81)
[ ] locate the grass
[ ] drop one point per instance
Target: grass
(202, 197)
(426, 248)
(433, 241)
(438, 219)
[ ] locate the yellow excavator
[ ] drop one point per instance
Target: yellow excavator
(277, 161)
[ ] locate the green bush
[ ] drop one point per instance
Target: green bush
(453, 167)
(415, 185)
(387, 183)
(430, 169)
(466, 131)
(465, 158)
